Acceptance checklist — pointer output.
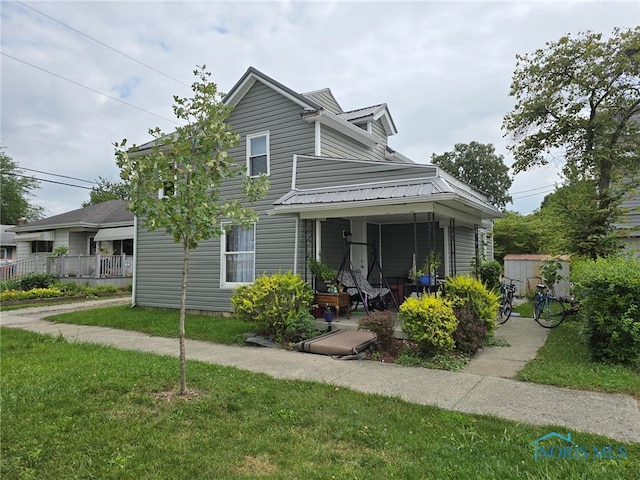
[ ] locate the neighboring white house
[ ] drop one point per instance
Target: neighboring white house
(99, 239)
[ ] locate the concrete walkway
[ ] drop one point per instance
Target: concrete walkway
(480, 388)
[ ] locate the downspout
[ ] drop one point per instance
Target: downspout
(135, 261)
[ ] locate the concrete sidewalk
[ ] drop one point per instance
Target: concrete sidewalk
(479, 389)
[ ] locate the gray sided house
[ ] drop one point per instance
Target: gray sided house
(333, 177)
(98, 238)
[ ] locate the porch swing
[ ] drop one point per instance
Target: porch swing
(357, 285)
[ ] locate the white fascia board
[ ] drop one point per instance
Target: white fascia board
(248, 83)
(333, 121)
(386, 121)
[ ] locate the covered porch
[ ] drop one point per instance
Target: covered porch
(387, 229)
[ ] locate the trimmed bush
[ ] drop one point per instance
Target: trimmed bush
(430, 322)
(470, 295)
(382, 324)
(301, 325)
(608, 291)
(272, 301)
(490, 273)
(37, 280)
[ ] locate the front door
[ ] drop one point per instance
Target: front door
(359, 253)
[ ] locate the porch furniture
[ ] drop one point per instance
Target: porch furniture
(355, 283)
(336, 300)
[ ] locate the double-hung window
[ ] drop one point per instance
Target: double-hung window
(258, 154)
(238, 255)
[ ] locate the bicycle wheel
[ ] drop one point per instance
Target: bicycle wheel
(549, 313)
(504, 312)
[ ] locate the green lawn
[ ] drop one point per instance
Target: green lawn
(160, 322)
(564, 361)
(89, 411)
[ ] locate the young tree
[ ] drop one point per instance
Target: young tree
(108, 190)
(478, 165)
(190, 166)
(579, 99)
(15, 188)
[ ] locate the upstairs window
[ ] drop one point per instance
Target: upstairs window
(238, 255)
(258, 154)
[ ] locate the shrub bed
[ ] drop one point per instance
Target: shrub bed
(608, 291)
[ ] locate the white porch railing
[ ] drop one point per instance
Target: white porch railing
(86, 266)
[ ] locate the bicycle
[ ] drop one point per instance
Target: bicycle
(548, 310)
(507, 291)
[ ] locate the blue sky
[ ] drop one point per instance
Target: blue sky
(443, 68)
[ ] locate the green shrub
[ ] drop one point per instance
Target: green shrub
(430, 322)
(271, 301)
(12, 284)
(468, 294)
(490, 273)
(37, 280)
(382, 324)
(300, 325)
(608, 291)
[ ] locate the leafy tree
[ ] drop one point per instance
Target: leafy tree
(15, 188)
(577, 223)
(579, 99)
(478, 165)
(108, 190)
(190, 165)
(516, 233)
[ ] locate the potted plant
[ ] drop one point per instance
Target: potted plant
(427, 274)
(322, 272)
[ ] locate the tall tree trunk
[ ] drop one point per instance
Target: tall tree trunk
(183, 311)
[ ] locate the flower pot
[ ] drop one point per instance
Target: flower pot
(425, 280)
(328, 316)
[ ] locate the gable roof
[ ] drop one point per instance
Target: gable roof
(109, 213)
(325, 99)
(375, 112)
(252, 75)
(314, 111)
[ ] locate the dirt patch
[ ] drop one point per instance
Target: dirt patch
(175, 395)
(257, 466)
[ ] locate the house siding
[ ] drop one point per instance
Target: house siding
(315, 172)
(337, 145)
(465, 249)
(78, 243)
(159, 260)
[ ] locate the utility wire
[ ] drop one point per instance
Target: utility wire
(56, 175)
(533, 194)
(101, 43)
(533, 189)
(45, 180)
(91, 89)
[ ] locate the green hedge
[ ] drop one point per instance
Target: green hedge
(608, 291)
(430, 322)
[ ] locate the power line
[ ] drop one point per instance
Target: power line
(534, 189)
(46, 180)
(532, 195)
(102, 43)
(56, 175)
(91, 89)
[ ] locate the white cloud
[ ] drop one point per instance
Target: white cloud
(443, 68)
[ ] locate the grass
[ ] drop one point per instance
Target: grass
(161, 323)
(564, 361)
(89, 411)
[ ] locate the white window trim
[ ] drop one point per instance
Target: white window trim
(223, 264)
(268, 147)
